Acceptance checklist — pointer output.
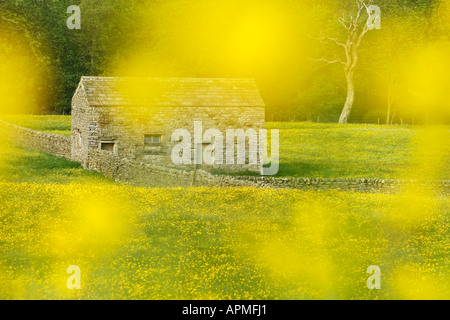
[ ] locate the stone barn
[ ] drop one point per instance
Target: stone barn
(135, 118)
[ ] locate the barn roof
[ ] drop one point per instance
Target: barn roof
(195, 92)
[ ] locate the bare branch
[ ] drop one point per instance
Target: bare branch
(330, 39)
(363, 32)
(344, 23)
(9, 20)
(330, 61)
(358, 14)
(337, 42)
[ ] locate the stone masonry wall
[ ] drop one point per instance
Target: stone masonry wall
(51, 143)
(352, 184)
(142, 174)
(80, 131)
(128, 126)
(149, 175)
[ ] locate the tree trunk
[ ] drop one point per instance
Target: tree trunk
(388, 118)
(349, 101)
(390, 101)
(392, 118)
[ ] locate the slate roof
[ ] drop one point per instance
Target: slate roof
(195, 92)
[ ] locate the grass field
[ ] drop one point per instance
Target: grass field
(134, 243)
(213, 243)
(362, 151)
(51, 124)
(332, 151)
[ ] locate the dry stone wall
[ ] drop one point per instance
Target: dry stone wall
(353, 184)
(149, 175)
(51, 143)
(143, 174)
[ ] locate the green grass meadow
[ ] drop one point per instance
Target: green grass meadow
(229, 243)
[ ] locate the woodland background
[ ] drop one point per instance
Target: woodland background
(403, 66)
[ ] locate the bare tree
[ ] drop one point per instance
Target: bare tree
(356, 28)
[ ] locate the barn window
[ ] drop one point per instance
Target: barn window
(152, 139)
(108, 146)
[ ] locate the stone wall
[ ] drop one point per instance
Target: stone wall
(350, 184)
(51, 143)
(149, 175)
(142, 174)
(80, 130)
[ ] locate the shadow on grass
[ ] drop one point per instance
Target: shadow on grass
(298, 169)
(305, 169)
(42, 161)
(18, 164)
